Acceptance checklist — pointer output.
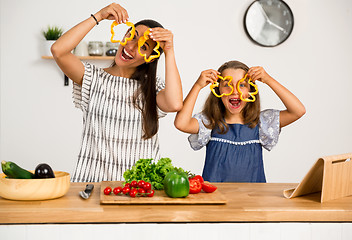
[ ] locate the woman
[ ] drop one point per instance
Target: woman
(121, 104)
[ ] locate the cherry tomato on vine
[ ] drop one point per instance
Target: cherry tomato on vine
(134, 184)
(147, 186)
(107, 190)
(117, 190)
(141, 191)
(128, 185)
(141, 183)
(133, 192)
(126, 190)
(150, 193)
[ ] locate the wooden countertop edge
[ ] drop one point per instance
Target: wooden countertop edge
(244, 205)
(345, 217)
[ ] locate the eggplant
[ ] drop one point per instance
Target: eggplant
(43, 170)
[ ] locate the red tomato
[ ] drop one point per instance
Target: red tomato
(117, 190)
(128, 185)
(134, 184)
(199, 177)
(133, 192)
(194, 186)
(126, 190)
(150, 193)
(107, 190)
(141, 192)
(208, 188)
(141, 183)
(147, 186)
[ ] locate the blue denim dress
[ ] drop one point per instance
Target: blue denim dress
(236, 156)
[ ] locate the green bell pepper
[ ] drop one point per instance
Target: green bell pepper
(176, 184)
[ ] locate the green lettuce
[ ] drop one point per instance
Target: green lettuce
(147, 170)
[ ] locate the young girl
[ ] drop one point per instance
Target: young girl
(233, 130)
(121, 104)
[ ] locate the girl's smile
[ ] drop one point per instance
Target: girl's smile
(233, 104)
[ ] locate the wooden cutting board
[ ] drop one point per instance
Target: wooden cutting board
(159, 197)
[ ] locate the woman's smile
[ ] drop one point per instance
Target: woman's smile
(125, 55)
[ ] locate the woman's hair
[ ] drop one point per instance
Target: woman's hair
(214, 108)
(145, 97)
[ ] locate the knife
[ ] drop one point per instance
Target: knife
(86, 193)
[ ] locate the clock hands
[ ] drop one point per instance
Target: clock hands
(263, 12)
(277, 26)
(269, 21)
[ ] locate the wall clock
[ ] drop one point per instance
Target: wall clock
(268, 22)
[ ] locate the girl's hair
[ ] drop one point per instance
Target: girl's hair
(144, 98)
(215, 110)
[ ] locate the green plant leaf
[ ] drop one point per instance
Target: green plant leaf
(52, 33)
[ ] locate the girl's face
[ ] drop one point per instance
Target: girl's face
(233, 104)
(128, 55)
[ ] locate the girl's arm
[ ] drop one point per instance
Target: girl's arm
(184, 121)
(170, 98)
(294, 108)
(61, 49)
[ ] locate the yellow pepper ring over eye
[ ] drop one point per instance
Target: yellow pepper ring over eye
(251, 94)
(133, 31)
(216, 84)
(141, 42)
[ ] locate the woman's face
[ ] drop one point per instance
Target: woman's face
(233, 103)
(128, 55)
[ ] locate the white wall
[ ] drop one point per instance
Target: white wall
(40, 124)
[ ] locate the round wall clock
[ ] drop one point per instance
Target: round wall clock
(268, 22)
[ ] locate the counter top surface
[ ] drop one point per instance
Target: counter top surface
(246, 202)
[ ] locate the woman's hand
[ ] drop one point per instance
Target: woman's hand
(113, 12)
(258, 73)
(206, 77)
(164, 37)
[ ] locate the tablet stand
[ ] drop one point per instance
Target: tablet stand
(331, 175)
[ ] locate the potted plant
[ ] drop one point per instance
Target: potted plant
(51, 34)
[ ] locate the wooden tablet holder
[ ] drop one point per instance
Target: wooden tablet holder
(331, 175)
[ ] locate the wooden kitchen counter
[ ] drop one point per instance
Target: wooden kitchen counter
(246, 202)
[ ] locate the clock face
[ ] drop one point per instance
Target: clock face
(268, 22)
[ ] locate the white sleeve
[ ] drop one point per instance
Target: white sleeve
(81, 94)
(200, 139)
(160, 85)
(269, 128)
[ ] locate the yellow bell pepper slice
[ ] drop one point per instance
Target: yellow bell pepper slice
(141, 42)
(133, 31)
(216, 84)
(251, 94)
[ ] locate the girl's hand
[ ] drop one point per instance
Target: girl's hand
(258, 73)
(164, 37)
(206, 77)
(113, 12)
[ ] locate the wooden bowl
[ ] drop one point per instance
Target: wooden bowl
(35, 189)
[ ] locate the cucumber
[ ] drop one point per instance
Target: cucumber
(12, 170)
